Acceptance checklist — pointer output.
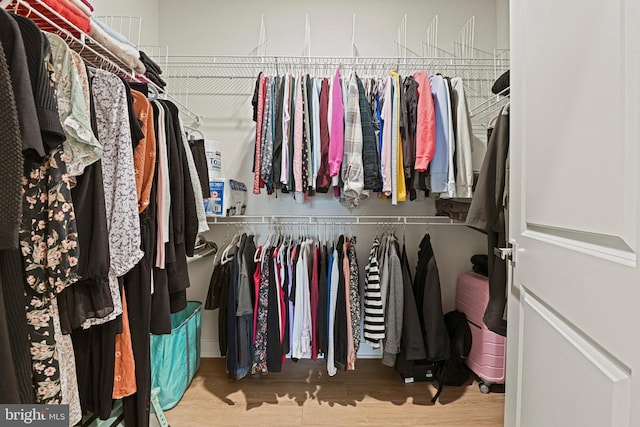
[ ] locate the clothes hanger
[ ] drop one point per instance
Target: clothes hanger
(153, 93)
(225, 254)
(404, 231)
(265, 247)
(217, 259)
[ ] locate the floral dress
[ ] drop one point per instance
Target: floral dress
(48, 241)
(118, 173)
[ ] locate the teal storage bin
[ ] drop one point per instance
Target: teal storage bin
(175, 358)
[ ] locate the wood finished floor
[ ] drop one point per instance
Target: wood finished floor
(303, 395)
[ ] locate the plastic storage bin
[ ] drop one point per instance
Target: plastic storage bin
(175, 358)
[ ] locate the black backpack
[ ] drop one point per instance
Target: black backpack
(453, 371)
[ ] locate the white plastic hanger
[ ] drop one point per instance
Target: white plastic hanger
(225, 254)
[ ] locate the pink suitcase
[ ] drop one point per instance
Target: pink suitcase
(488, 349)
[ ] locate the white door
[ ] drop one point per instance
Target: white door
(574, 302)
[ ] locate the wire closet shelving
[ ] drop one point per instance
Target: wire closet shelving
(223, 85)
(92, 52)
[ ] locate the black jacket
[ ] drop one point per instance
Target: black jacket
(429, 304)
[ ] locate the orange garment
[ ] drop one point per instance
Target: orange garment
(426, 123)
(144, 155)
(124, 377)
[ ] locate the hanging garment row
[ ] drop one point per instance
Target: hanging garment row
(390, 136)
(304, 298)
(96, 235)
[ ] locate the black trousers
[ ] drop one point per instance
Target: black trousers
(137, 284)
(95, 355)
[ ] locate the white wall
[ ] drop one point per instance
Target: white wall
(502, 24)
(148, 10)
(203, 27)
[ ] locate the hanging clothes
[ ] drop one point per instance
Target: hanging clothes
(324, 175)
(261, 313)
(244, 311)
(81, 147)
(286, 131)
(183, 213)
(451, 143)
(354, 305)
(399, 190)
(323, 301)
(440, 162)
(278, 132)
(464, 135)
(301, 333)
(336, 140)
(258, 112)
(428, 300)
(121, 201)
(334, 274)
(412, 346)
(85, 209)
(352, 168)
(409, 114)
(379, 136)
(314, 300)
(373, 304)
(426, 122)
(386, 160)
(370, 155)
(274, 320)
(394, 305)
(266, 150)
(487, 214)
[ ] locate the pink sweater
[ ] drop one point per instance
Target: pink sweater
(426, 123)
(336, 140)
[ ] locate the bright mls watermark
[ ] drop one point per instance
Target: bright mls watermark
(34, 415)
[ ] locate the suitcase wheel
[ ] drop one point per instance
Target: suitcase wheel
(484, 387)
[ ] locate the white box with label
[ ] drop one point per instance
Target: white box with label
(227, 197)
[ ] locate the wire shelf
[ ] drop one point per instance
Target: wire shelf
(222, 86)
(92, 52)
(129, 26)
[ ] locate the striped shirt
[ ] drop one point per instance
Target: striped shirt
(373, 308)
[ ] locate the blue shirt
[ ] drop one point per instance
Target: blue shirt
(439, 167)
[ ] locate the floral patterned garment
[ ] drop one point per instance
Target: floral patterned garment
(354, 297)
(81, 147)
(68, 375)
(48, 240)
(62, 261)
(118, 173)
(260, 345)
(38, 292)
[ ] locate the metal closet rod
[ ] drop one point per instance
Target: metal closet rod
(334, 220)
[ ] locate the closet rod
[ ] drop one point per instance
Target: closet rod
(334, 220)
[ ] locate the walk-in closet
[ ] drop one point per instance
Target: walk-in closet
(319, 213)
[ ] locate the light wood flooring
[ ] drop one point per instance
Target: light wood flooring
(303, 395)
